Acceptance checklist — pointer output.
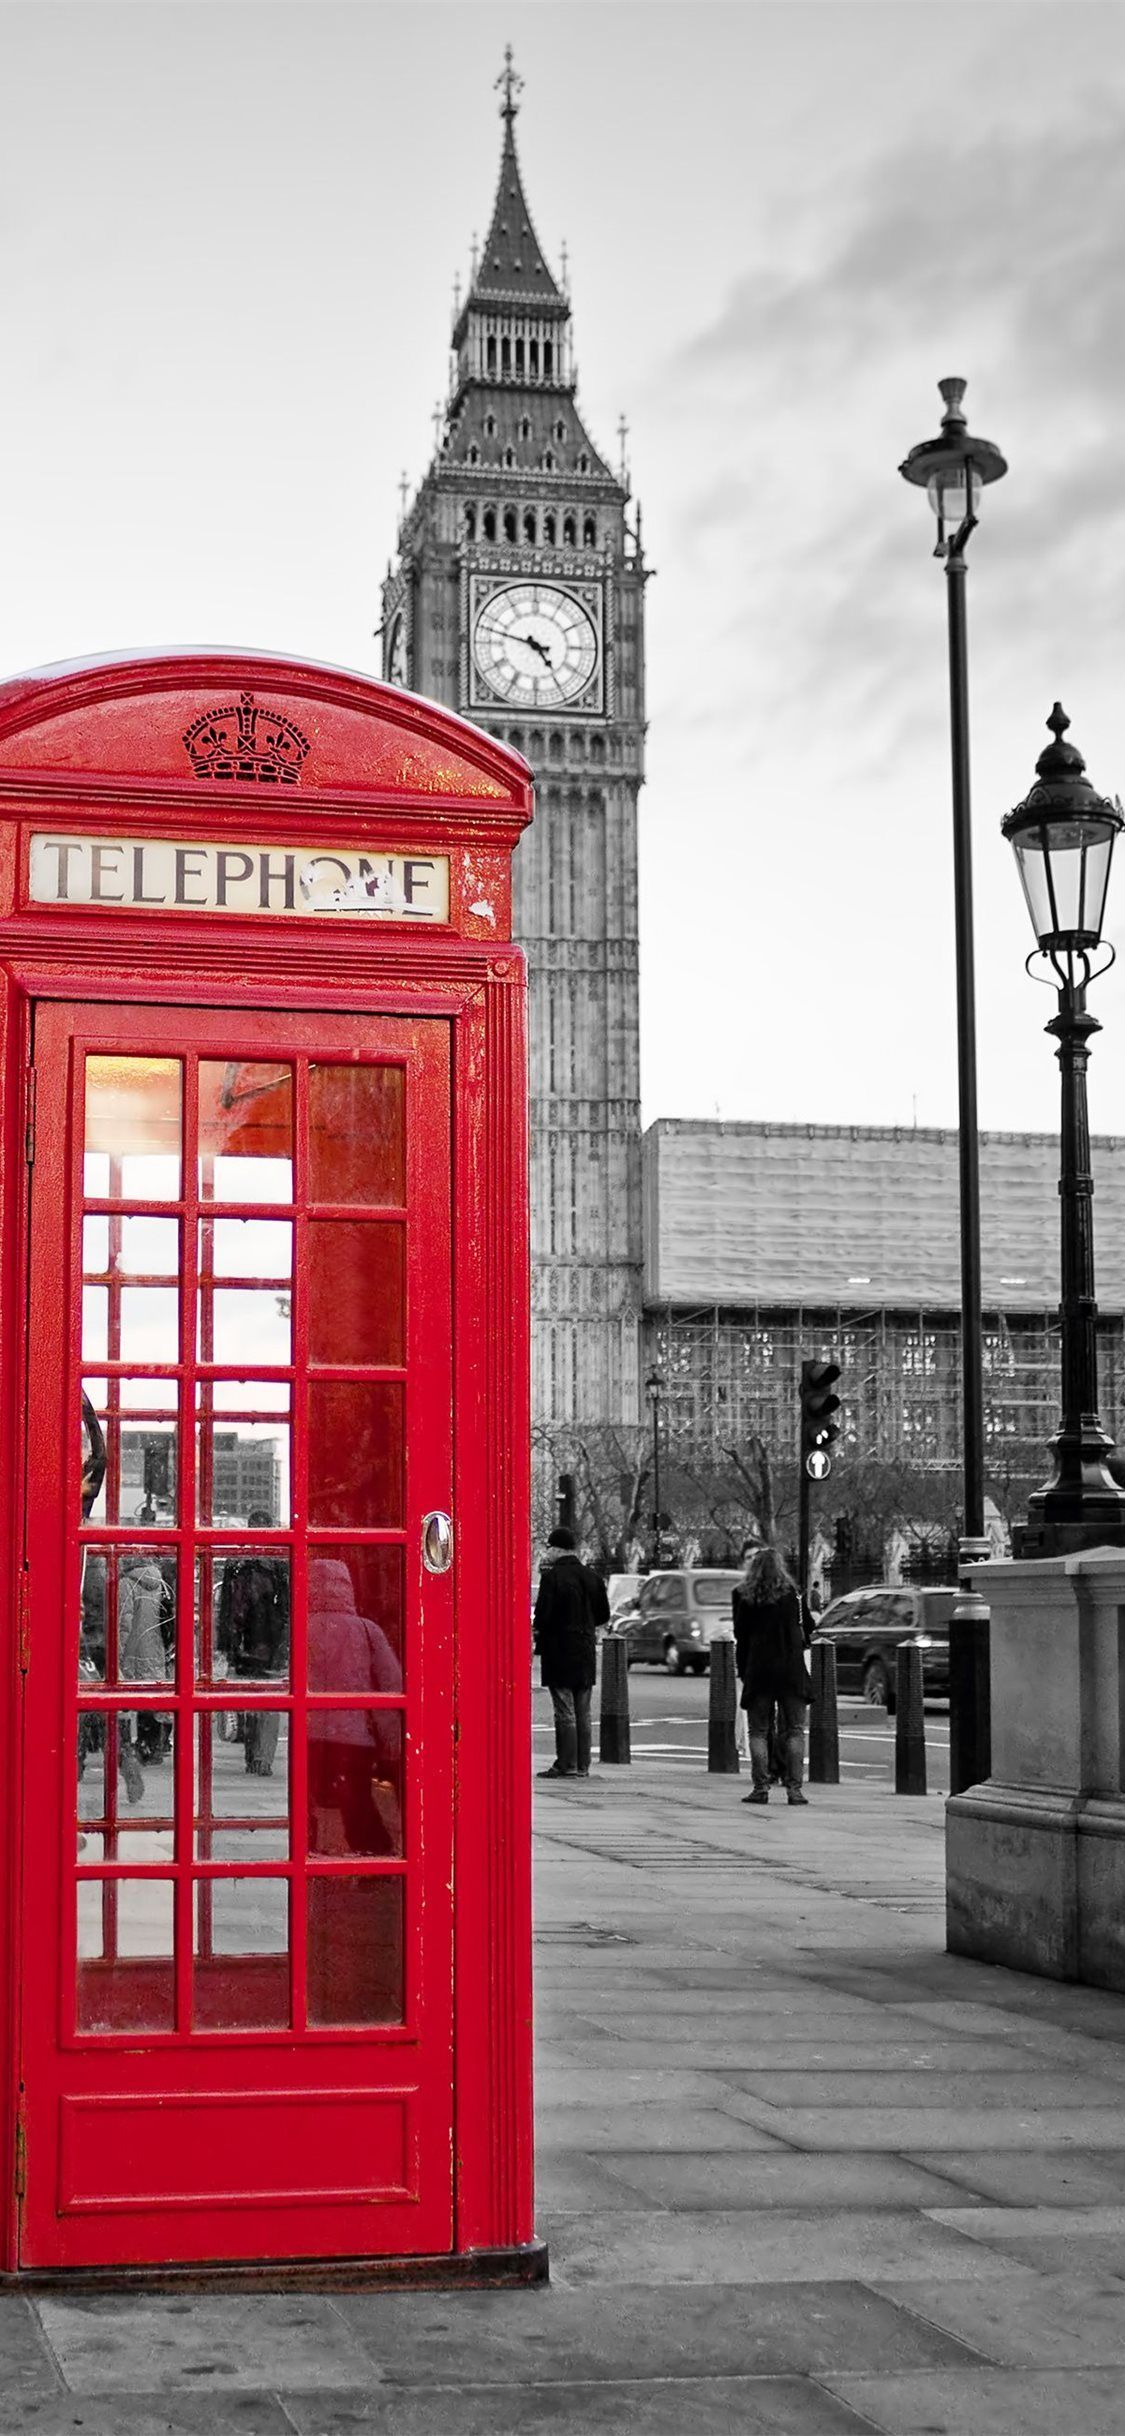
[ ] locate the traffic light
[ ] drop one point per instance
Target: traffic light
(566, 1502)
(818, 1404)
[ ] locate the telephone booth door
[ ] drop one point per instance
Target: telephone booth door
(236, 1970)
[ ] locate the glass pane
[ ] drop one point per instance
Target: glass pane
(246, 1247)
(355, 1949)
(243, 1324)
(242, 1474)
(150, 1324)
(355, 1454)
(245, 1131)
(128, 1450)
(130, 1247)
(355, 1783)
(125, 1786)
(357, 1135)
(128, 1616)
(242, 1786)
(251, 1614)
(132, 1142)
(357, 1292)
(242, 1954)
(355, 1633)
(126, 1975)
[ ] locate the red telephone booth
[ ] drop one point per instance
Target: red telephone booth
(263, 1469)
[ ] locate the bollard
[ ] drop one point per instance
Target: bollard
(824, 1717)
(613, 1747)
(910, 1723)
(722, 1749)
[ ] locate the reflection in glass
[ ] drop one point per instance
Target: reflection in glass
(355, 1454)
(244, 1324)
(357, 1292)
(238, 1815)
(355, 1949)
(355, 1783)
(357, 1137)
(128, 1618)
(241, 1954)
(126, 1975)
(245, 1593)
(355, 1619)
(242, 1473)
(132, 1140)
(245, 1131)
(125, 1787)
(131, 1475)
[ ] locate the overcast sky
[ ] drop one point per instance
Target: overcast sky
(230, 237)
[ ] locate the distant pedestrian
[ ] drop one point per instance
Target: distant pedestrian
(770, 1657)
(570, 1603)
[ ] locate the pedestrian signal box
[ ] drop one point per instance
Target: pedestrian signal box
(264, 1897)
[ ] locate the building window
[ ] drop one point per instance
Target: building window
(550, 526)
(583, 463)
(519, 357)
(570, 531)
(509, 524)
(490, 524)
(560, 430)
(474, 454)
(533, 354)
(490, 355)
(471, 523)
(590, 533)
(597, 748)
(548, 461)
(505, 355)
(525, 428)
(490, 427)
(547, 353)
(509, 459)
(529, 524)
(556, 744)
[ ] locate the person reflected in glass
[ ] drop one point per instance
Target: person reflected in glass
(353, 1752)
(252, 1634)
(94, 1626)
(142, 1643)
(769, 1643)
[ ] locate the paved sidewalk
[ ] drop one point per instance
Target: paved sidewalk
(799, 2171)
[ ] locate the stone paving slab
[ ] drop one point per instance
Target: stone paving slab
(685, 2331)
(781, 2406)
(910, 2129)
(744, 2246)
(108, 2344)
(26, 2365)
(1029, 2178)
(787, 2181)
(159, 2414)
(646, 2127)
(746, 2048)
(925, 2088)
(1019, 2319)
(989, 2402)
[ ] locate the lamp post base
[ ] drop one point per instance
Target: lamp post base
(1035, 1856)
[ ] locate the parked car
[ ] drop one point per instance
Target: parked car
(867, 1629)
(675, 1618)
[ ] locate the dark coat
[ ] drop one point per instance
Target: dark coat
(570, 1603)
(769, 1648)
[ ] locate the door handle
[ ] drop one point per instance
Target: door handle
(437, 1542)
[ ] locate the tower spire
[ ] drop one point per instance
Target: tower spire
(512, 84)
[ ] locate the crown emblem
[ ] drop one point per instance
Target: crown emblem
(245, 741)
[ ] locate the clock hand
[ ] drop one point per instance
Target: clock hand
(533, 645)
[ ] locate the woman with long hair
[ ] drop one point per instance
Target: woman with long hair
(770, 1656)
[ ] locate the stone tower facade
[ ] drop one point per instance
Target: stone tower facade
(518, 598)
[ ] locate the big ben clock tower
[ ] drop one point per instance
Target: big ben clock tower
(518, 598)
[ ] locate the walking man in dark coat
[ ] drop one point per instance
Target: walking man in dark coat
(570, 1603)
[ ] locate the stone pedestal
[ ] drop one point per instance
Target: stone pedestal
(1035, 1856)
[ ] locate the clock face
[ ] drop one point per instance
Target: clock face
(396, 655)
(535, 644)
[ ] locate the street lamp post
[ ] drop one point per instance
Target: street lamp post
(654, 1389)
(954, 468)
(1063, 835)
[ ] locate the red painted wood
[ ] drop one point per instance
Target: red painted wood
(123, 2130)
